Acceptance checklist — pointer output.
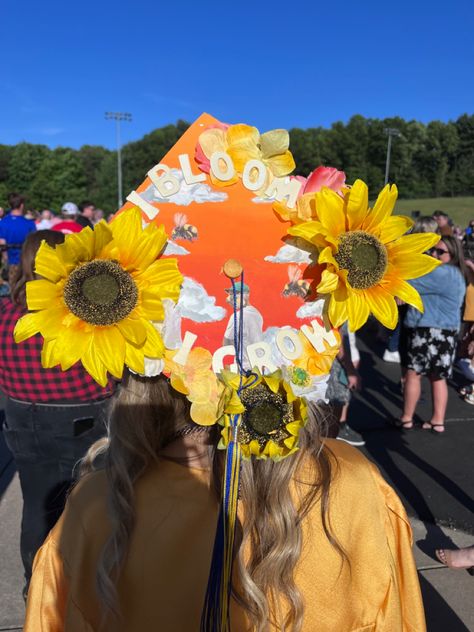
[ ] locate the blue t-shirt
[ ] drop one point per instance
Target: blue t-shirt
(14, 229)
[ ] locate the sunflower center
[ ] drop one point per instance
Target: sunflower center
(100, 292)
(363, 256)
(265, 417)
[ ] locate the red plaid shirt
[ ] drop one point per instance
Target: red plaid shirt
(22, 376)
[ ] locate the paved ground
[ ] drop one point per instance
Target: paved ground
(433, 475)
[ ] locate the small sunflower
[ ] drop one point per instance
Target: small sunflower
(98, 294)
(271, 416)
(366, 254)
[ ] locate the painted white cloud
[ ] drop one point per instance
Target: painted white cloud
(199, 192)
(263, 200)
(311, 309)
(196, 304)
(290, 254)
(172, 248)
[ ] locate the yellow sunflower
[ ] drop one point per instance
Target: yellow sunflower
(271, 416)
(98, 294)
(366, 254)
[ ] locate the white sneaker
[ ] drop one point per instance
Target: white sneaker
(391, 356)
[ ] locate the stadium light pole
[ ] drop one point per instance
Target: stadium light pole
(390, 131)
(118, 117)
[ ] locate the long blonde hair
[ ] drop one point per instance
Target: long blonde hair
(146, 415)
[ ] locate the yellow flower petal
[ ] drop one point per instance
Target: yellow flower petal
(357, 204)
(50, 354)
(110, 347)
(48, 264)
(134, 358)
(393, 228)
(281, 165)
(382, 209)
(337, 308)
(329, 282)
(240, 155)
(153, 347)
(274, 142)
(357, 310)
(94, 366)
(404, 291)
(133, 330)
(41, 293)
(242, 135)
(213, 140)
(330, 207)
(203, 414)
(414, 243)
(382, 305)
(413, 266)
(314, 232)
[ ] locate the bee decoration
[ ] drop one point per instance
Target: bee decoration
(183, 230)
(296, 285)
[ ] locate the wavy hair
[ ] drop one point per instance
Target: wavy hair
(276, 496)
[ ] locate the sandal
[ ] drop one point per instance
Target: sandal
(441, 555)
(402, 425)
(436, 429)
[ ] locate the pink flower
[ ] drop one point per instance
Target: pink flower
(323, 177)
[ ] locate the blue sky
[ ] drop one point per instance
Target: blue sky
(63, 64)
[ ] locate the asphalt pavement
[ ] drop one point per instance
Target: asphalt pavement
(432, 474)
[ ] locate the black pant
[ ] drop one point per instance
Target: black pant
(47, 441)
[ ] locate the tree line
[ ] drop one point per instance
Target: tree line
(428, 160)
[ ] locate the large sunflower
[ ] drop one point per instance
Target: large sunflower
(98, 294)
(271, 416)
(367, 256)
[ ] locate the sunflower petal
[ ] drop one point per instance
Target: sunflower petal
(50, 356)
(337, 309)
(310, 231)
(40, 294)
(27, 326)
(134, 358)
(357, 204)
(72, 344)
(154, 346)
(382, 209)
(415, 243)
(94, 366)
(102, 236)
(152, 306)
(382, 305)
(357, 310)
(109, 345)
(330, 207)
(394, 227)
(410, 266)
(48, 264)
(329, 282)
(133, 330)
(404, 291)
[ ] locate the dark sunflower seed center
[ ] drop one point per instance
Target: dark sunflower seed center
(100, 292)
(363, 256)
(265, 417)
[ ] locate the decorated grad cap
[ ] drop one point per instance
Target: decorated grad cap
(218, 203)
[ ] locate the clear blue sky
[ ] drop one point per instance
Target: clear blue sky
(63, 64)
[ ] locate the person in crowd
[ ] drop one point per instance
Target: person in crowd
(432, 335)
(457, 558)
(46, 220)
(443, 221)
(344, 379)
(465, 360)
(86, 214)
(69, 216)
(32, 215)
(14, 228)
(2, 212)
(151, 560)
(396, 343)
(51, 417)
(99, 215)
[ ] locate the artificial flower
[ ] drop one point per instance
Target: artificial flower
(313, 362)
(198, 382)
(305, 208)
(243, 143)
(98, 294)
(271, 416)
(366, 256)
